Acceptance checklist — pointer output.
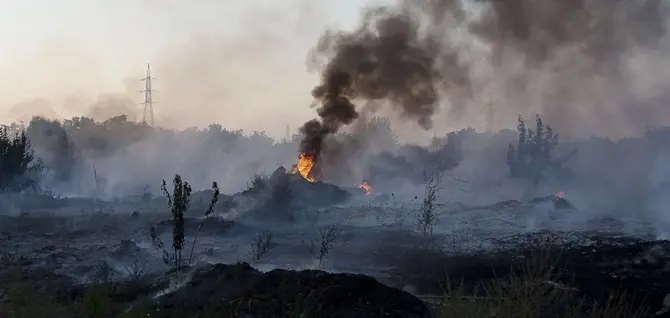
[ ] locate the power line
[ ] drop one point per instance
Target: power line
(148, 115)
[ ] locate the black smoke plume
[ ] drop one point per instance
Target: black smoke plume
(385, 61)
(335, 111)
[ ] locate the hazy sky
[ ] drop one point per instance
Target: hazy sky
(241, 64)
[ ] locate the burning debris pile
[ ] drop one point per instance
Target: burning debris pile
(305, 168)
(285, 191)
(305, 189)
(366, 187)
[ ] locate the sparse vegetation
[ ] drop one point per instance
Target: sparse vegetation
(261, 246)
(528, 292)
(136, 268)
(104, 273)
(208, 212)
(427, 213)
(328, 237)
(319, 247)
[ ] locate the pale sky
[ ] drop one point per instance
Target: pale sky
(241, 64)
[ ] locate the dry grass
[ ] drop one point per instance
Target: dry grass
(530, 292)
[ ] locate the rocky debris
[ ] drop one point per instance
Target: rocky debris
(243, 291)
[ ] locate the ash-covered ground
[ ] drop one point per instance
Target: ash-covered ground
(82, 235)
(406, 243)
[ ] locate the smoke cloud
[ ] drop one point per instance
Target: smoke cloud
(585, 65)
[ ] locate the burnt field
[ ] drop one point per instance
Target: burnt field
(520, 167)
(430, 235)
(418, 258)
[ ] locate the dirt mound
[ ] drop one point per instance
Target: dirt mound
(312, 194)
(241, 290)
(278, 196)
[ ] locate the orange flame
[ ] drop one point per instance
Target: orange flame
(304, 166)
(367, 187)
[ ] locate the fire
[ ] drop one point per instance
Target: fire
(367, 187)
(559, 195)
(304, 166)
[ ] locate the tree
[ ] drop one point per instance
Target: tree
(52, 143)
(532, 157)
(18, 167)
(178, 203)
(379, 131)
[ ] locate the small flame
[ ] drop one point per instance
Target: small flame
(367, 187)
(304, 166)
(559, 195)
